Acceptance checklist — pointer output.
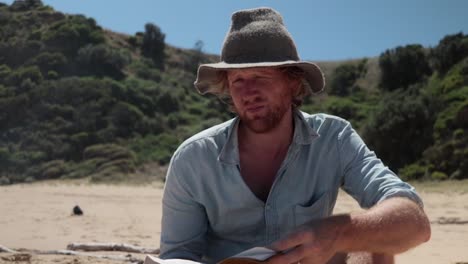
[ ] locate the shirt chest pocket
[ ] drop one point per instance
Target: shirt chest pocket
(318, 209)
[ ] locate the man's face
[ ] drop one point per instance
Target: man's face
(261, 96)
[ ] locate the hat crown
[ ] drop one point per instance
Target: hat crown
(258, 35)
(243, 18)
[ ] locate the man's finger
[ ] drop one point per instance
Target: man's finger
(292, 256)
(291, 241)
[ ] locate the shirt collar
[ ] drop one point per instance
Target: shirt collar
(304, 134)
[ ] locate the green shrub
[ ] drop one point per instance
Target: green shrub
(413, 172)
(79, 170)
(46, 170)
(107, 151)
(167, 103)
(120, 165)
(6, 91)
(133, 41)
(127, 118)
(5, 71)
(209, 122)
(49, 61)
(72, 33)
(100, 60)
(458, 133)
(4, 180)
(450, 50)
(451, 82)
(451, 118)
(155, 148)
(32, 73)
(29, 179)
(145, 71)
(52, 75)
(52, 169)
(342, 107)
(109, 162)
(439, 176)
(344, 78)
(24, 5)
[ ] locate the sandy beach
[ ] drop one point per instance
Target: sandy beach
(39, 216)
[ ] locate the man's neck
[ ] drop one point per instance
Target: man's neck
(277, 139)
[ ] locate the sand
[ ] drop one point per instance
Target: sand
(38, 216)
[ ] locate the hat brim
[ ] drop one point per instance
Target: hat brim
(208, 80)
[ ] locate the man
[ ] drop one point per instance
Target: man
(270, 177)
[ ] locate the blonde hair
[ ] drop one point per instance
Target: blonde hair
(293, 73)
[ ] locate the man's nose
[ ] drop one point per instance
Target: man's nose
(250, 88)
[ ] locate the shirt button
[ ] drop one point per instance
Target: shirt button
(268, 207)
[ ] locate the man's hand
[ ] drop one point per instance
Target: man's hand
(390, 227)
(314, 242)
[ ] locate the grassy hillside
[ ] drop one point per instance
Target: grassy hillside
(77, 100)
(80, 101)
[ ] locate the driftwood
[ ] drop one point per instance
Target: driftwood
(111, 247)
(23, 251)
(5, 249)
(127, 258)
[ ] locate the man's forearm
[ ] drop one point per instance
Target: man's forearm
(393, 226)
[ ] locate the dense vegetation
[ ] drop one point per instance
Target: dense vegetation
(79, 101)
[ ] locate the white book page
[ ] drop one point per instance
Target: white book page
(258, 253)
(155, 260)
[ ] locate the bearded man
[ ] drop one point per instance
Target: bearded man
(270, 177)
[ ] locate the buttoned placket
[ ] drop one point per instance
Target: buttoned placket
(271, 210)
(272, 230)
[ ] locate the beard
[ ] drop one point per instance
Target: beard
(265, 121)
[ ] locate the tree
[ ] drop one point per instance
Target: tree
(23, 5)
(451, 50)
(16, 51)
(100, 60)
(344, 77)
(168, 103)
(69, 35)
(32, 73)
(46, 61)
(400, 129)
(403, 66)
(126, 118)
(153, 44)
(4, 158)
(197, 56)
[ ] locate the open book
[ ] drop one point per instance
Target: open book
(253, 255)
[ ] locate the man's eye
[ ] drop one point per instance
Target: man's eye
(237, 82)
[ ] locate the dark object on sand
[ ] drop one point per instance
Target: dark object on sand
(77, 210)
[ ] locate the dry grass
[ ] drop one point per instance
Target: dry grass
(369, 82)
(450, 186)
(329, 66)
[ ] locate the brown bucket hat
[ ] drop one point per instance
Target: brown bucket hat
(257, 38)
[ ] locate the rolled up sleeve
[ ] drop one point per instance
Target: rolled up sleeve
(366, 178)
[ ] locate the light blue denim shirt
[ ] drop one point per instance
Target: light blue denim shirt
(209, 213)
